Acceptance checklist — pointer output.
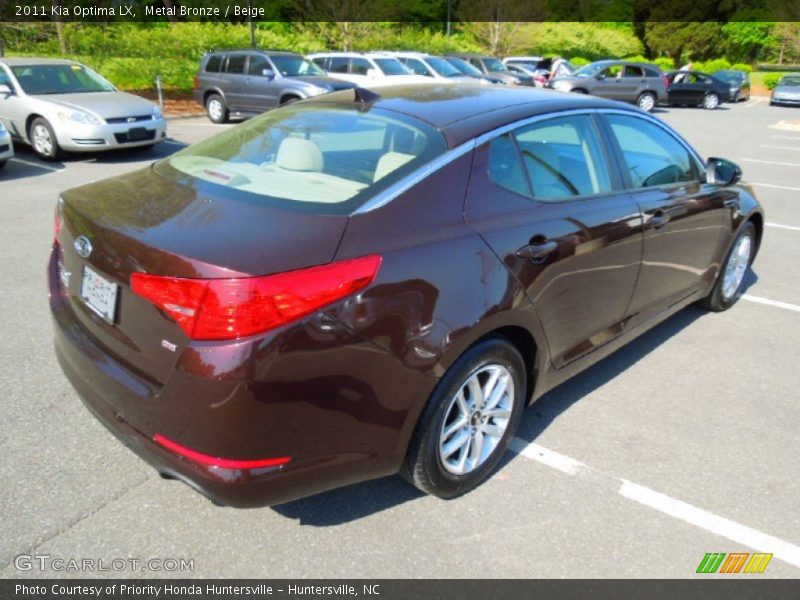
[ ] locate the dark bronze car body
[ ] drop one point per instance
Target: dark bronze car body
(340, 391)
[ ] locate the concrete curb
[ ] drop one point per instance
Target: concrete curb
(185, 116)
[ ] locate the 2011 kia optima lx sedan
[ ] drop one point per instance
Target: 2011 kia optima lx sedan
(357, 285)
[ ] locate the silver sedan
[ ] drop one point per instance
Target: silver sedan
(6, 147)
(60, 105)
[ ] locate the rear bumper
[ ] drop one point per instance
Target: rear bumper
(341, 410)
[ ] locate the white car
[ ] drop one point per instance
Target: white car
(371, 69)
(6, 147)
(434, 67)
(56, 105)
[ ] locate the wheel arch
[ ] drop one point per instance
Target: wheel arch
(214, 91)
(757, 219)
(29, 121)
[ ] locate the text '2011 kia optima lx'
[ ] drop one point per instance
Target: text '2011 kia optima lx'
(361, 284)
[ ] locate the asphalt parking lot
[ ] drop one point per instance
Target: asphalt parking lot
(629, 470)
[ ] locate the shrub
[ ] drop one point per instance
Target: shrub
(710, 66)
(665, 63)
(742, 67)
(579, 61)
(771, 80)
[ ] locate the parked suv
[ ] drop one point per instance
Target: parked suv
(243, 83)
(435, 67)
(639, 83)
(494, 67)
(372, 69)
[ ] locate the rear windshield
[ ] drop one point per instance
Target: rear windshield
(790, 80)
(308, 157)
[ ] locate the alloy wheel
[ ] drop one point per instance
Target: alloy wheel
(737, 265)
(476, 419)
(711, 101)
(215, 109)
(42, 141)
(646, 102)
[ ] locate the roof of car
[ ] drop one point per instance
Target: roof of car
(261, 50)
(14, 62)
(462, 111)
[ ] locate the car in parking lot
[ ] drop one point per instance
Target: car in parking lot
(243, 83)
(638, 83)
(494, 67)
(787, 91)
(6, 146)
(693, 88)
(61, 105)
(738, 83)
(435, 68)
(467, 69)
(360, 284)
(370, 69)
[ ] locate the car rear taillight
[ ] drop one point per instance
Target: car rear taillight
(223, 309)
(666, 81)
(196, 82)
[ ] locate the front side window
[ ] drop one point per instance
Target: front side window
(652, 156)
(258, 64)
(442, 67)
(417, 67)
(392, 66)
(494, 64)
(324, 159)
(290, 65)
(59, 79)
(360, 66)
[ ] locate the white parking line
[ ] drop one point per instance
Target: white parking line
(678, 509)
(771, 162)
(789, 227)
(768, 302)
(779, 147)
(772, 185)
(37, 165)
(753, 102)
(784, 137)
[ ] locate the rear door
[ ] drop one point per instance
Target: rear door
(547, 201)
(631, 82)
(236, 87)
(683, 216)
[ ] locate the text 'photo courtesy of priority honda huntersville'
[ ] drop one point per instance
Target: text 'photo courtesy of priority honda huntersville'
(361, 284)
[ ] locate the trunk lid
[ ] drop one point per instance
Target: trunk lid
(142, 222)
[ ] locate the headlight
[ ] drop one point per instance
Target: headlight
(157, 114)
(79, 116)
(2, 127)
(562, 86)
(318, 90)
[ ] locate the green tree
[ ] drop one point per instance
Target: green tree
(681, 41)
(745, 40)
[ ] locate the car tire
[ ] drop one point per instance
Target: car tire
(728, 287)
(216, 109)
(646, 101)
(579, 91)
(43, 139)
(711, 101)
(446, 459)
(289, 100)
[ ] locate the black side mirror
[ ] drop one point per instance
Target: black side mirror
(720, 171)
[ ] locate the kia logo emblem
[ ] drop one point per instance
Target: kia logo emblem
(83, 246)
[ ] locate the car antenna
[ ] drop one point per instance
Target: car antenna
(365, 96)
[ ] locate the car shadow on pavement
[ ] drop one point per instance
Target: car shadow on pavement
(363, 499)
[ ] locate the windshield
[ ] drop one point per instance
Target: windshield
(392, 66)
(328, 159)
(294, 66)
(59, 79)
(442, 67)
(494, 64)
(590, 70)
(464, 67)
(790, 80)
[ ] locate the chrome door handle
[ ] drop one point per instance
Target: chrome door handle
(658, 220)
(537, 252)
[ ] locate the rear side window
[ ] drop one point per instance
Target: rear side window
(652, 156)
(321, 62)
(632, 71)
(338, 64)
(552, 161)
(236, 63)
(213, 64)
(652, 73)
(417, 67)
(308, 157)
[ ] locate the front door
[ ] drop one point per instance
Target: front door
(262, 90)
(548, 203)
(683, 217)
